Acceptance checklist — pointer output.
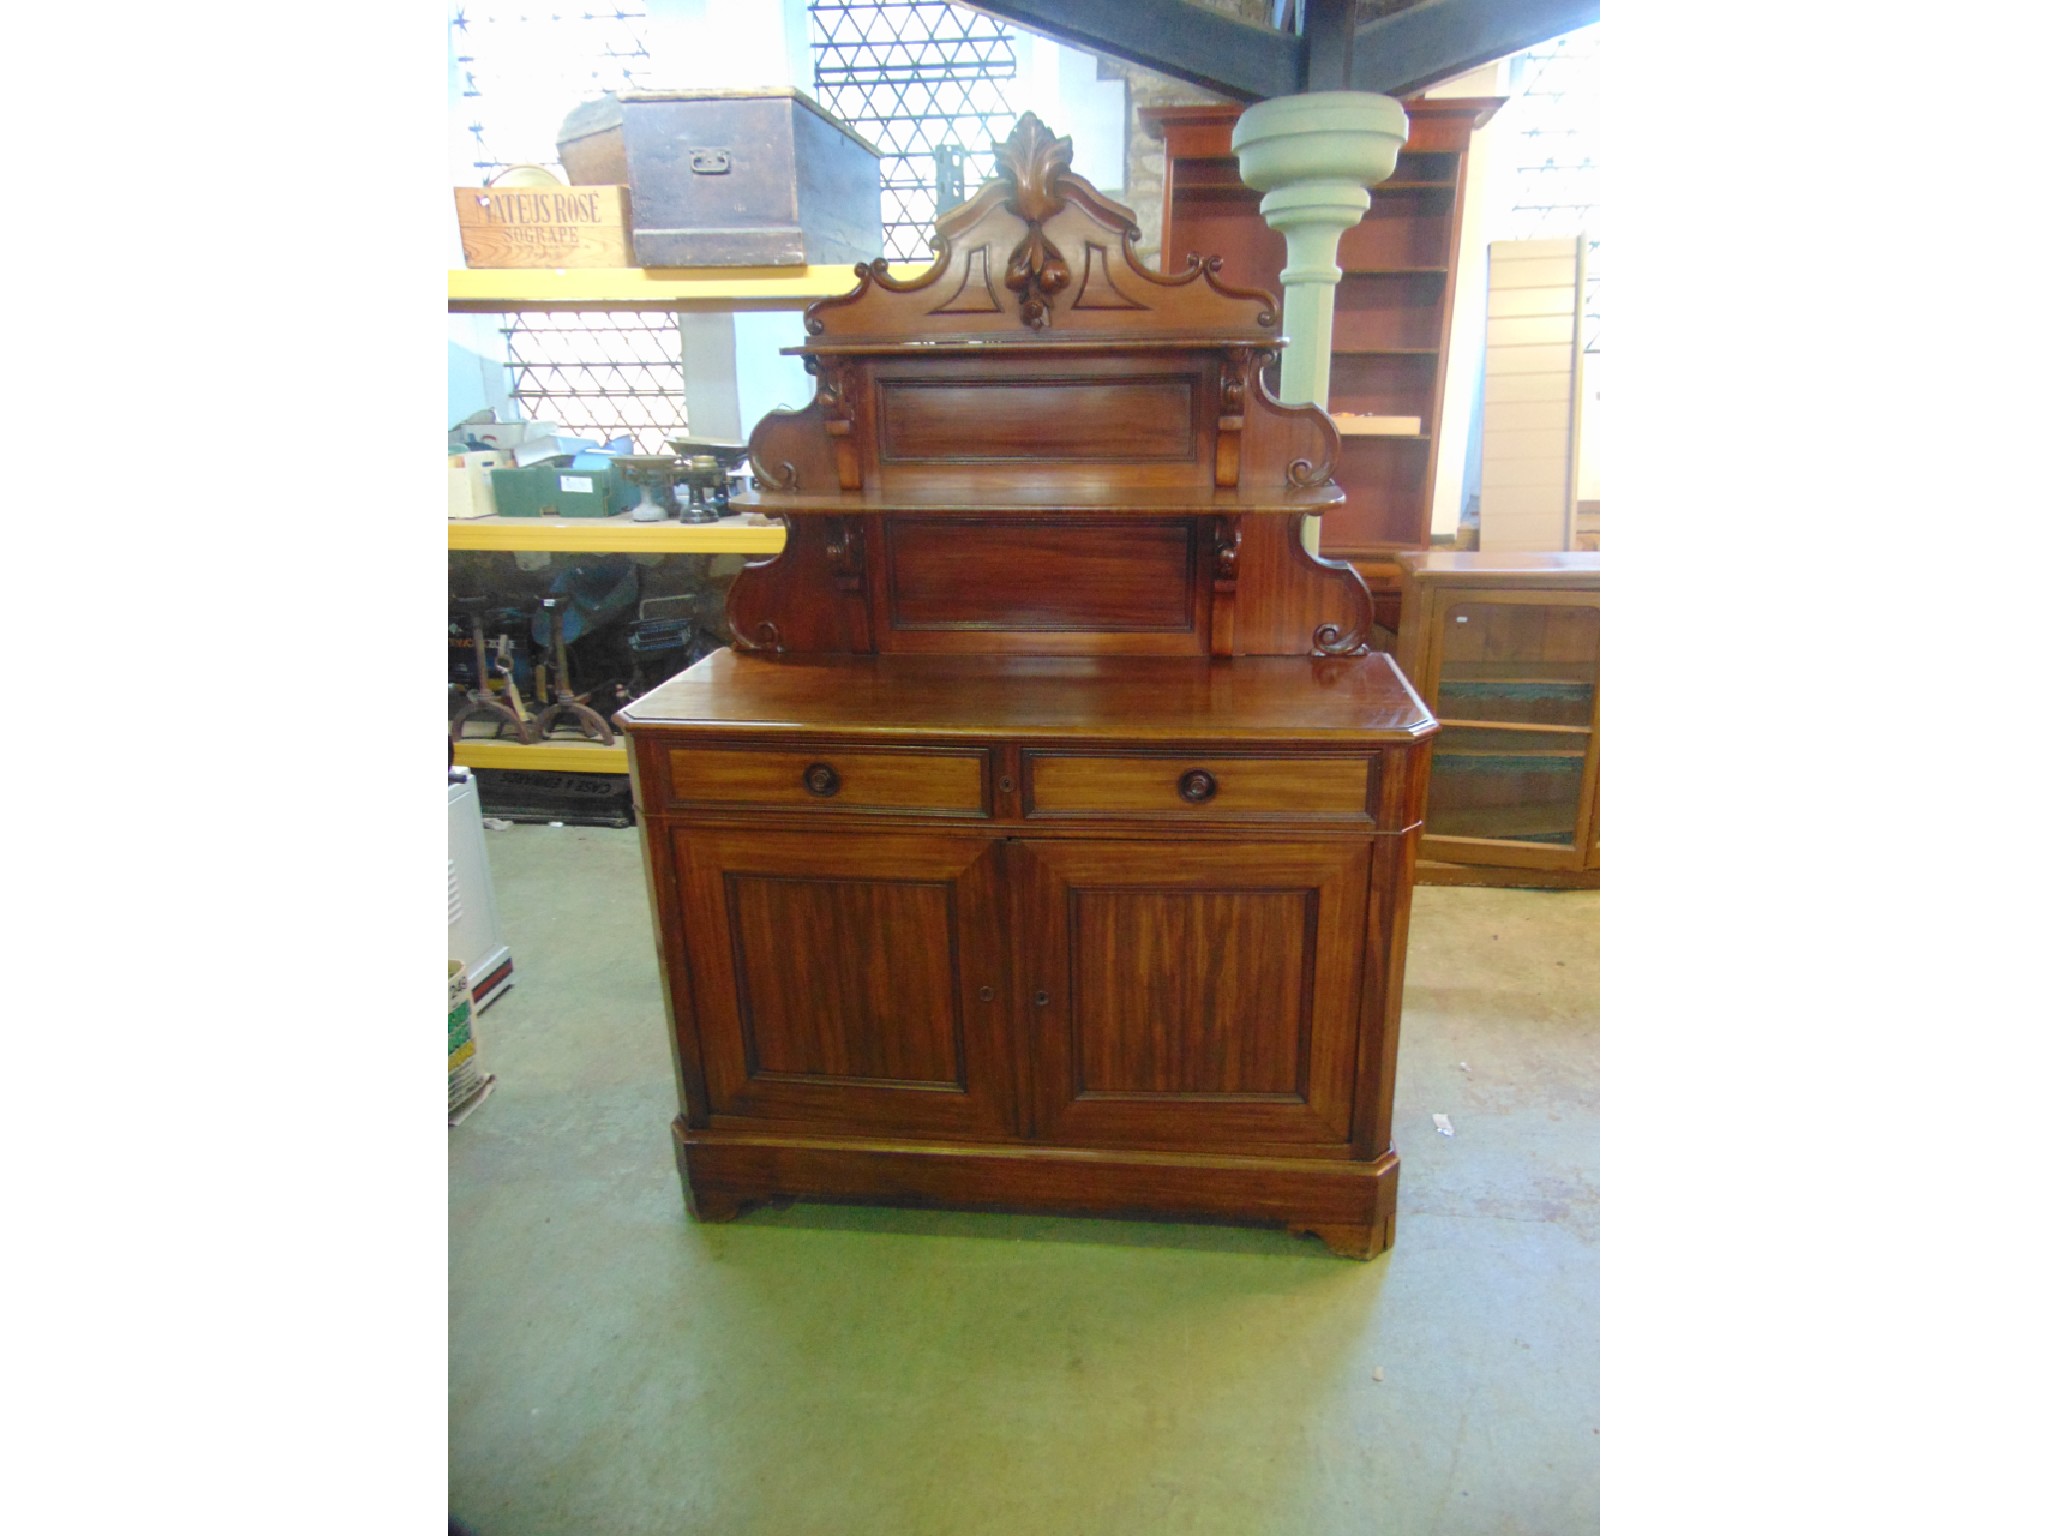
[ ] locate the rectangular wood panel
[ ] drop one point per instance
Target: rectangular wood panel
(1510, 302)
(846, 978)
(1515, 388)
(1193, 992)
(1533, 330)
(1552, 417)
(1002, 574)
(1554, 358)
(1499, 474)
(1544, 273)
(995, 421)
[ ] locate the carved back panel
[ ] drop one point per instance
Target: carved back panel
(1041, 446)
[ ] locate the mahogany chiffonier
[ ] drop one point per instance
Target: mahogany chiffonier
(1045, 840)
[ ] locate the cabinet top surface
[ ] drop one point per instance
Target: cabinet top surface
(1576, 567)
(1247, 698)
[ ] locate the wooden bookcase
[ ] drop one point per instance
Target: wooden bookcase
(1393, 324)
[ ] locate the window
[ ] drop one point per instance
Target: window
(924, 82)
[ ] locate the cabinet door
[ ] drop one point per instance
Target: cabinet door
(849, 980)
(1515, 679)
(1194, 994)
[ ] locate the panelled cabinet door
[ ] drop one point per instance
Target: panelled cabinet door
(853, 981)
(1197, 995)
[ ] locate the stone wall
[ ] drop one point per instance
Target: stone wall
(1145, 155)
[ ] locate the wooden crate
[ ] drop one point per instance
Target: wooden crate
(731, 178)
(542, 226)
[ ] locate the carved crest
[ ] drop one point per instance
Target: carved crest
(1031, 162)
(1040, 248)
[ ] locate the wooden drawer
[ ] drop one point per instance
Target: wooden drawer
(941, 781)
(1201, 786)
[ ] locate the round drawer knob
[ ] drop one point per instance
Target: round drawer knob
(1197, 785)
(1041, 998)
(988, 994)
(821, 780)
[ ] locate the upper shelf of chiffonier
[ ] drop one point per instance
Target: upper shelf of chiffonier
(993, 493)
(1348, 700)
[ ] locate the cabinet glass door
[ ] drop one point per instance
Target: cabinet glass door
(1516, 686)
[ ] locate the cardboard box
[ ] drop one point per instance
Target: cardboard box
(467, 1079)
(501, 435)
(542, 226)
(469, 483)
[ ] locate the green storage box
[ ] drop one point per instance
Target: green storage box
(548, 491)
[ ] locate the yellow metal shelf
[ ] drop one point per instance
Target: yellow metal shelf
(491, 290)
(615, 535)
(567, 755)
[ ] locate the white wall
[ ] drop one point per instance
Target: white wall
(1457, 428)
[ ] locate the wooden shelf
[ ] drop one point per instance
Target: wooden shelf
(567, 755)
(965, 500)
(1558, 674)
(498, 290)
(1533, 727)
(615, 535)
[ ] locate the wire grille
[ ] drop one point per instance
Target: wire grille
(924, 82)
(600, 375)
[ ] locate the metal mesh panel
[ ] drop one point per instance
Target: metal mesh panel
(600, 375)
(917, 78)
(593, 375)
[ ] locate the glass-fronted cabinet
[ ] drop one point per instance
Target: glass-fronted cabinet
(1505, 648)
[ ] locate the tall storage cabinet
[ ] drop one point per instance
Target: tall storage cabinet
(1506, 650)
(1393, 324)
(1046, 839)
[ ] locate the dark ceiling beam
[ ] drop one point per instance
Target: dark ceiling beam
(1396, 55)
(1329, 28)
(1430, 43)
(1238, 59)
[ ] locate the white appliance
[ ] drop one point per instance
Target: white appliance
(475, 937)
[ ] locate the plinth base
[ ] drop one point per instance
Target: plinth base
(1349, 1205)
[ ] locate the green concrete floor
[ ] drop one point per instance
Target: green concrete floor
(616, 1369)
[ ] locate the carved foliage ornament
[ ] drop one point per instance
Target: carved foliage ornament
(1032, 162)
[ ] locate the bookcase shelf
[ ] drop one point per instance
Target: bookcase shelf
(1392, 328)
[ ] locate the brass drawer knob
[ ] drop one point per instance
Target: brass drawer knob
(821, 780)
(1197, 785)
